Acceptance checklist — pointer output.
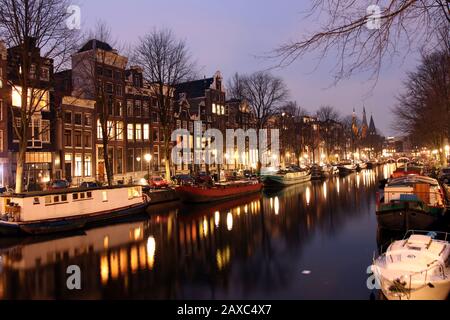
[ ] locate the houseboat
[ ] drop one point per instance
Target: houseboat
(319, 172)
(217, 192)
(410, 201)
(284, 178)
(415, 268)
(67, 209)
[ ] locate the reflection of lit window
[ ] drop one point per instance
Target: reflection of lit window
(114, 262)
(229, 221)
(216, 219)
(277, 206)
(134, 259)
(104, 269)
(151, 249)
(106, 242)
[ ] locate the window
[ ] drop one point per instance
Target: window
(146, 131)
(1, 140)
(33, 71)
(87, 165)
(118, 75)
(40, 98)
(87, 139)
(138, 131)
(68, 117)
(119, 160)
(137, 108)
(99, 130)
(45, 74)
(110, 127)
(78, 165)
(145, 109)
(155, 134)
(138, 159)
(87, 119)
(77, 119)
(105, 196)
(75, 196)
(64, 197)
(154, 117)
(67, 138)
(130, 135)
(109, 88)
(213, 108)
(130, 160)
(45, 134)
(36, 201)
(108, 73)
(119, 108)
(119, 90)
(77, 139)
(1, 104)
(110, 106)
(129, 108)
(119, 130)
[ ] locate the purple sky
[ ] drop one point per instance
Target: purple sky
(229, 35)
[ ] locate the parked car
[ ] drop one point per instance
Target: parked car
(444, 175)
(90, 184)
(58, 184)
(183, 179)
(157, 182)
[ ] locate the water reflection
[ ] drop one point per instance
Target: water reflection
(254, 247)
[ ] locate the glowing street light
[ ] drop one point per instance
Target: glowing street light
(148, 158)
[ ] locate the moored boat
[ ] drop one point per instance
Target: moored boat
(410, 201)
(67, 209)
(321, 171)
(285, 178)
(346, 167)
(415, 268)
(218, 192)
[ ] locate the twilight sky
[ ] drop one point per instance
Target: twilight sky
(232, 35)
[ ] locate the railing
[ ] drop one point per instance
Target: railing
(433, 234)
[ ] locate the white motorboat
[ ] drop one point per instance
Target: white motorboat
(415, 268)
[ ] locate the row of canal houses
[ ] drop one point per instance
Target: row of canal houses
(67, 135)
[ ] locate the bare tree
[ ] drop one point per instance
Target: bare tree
(363, 38)
(88, 69)
(423, 109)
(41, 43)
(265, 94)
(166, 63)
(292, 136)
(329, 127)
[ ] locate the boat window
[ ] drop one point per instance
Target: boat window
(75, 196)
(36, 201)
(48, 199)
(105, 196)
(64, 197)
(134, 192)
(89, 194)
(56, 199)
(82, 195)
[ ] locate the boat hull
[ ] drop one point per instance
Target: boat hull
(66, 224)
(280, 181)
(404, 218)
(439, 291)
(193, 194)
(345, 171)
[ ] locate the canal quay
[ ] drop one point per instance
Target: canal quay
(314, 240)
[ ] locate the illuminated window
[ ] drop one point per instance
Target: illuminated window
(78, 165)
(99, 130)
(1, 140)
(104, 196)
(119, 130)
(213, 108)
(87, 165)
(110, 126)
(40, 98)
(45, 131)
(138, 131)
(146, 131)
(130, 134)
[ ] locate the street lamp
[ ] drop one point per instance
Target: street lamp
(148, 158)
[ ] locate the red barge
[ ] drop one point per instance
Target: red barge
(222, 191)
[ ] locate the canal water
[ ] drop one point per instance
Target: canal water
(310, 241)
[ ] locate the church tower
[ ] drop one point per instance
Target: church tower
(364, 126)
